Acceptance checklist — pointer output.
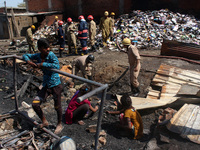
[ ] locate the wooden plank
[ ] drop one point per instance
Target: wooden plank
(144, 103)
(186, 122)
(15, 24)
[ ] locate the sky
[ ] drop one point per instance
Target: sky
(10, 3)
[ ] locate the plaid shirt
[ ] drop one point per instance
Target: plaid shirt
(50, 78)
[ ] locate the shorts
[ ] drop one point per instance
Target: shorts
(45, 92)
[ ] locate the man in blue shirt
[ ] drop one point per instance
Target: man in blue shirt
(51, 81)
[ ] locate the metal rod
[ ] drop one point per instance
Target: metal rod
(15, 83)
(36, 124)
(76, 77)
(100, 118)
(18, 135)
(93, 92)
(7, 56)
(70, 75)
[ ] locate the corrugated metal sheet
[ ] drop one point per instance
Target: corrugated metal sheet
(170, 79)
(186, 122)
(186, 50)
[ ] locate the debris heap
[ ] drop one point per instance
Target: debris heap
(149, 28)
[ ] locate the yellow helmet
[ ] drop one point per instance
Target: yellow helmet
(106, 13)
(56, 17)
(33, 27)
(112, 14)
(126, 41)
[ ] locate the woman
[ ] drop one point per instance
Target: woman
(75, 110)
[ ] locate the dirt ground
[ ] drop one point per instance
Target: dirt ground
(108, 66)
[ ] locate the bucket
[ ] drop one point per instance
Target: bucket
(65, 143)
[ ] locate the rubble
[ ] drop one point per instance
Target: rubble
(149, 28)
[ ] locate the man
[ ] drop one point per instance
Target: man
(113, 25)
(82, 34)
(55, 28)
(51, 81)
(105, 26)
(92, 32)
(61, 38)
(71, 37)
(55, 24)
(29, 38)
(83, 63)
(134, 62)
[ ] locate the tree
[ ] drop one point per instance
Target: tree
(21, 5)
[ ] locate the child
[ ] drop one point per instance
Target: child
(131, 120)
(76, 111)
(51, 81)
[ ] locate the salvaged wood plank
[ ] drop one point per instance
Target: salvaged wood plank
(186, 122)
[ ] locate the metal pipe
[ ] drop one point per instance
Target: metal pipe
(7, 56)
(100, 118)
(36, 124)
(70, 75)
(76, 77)
(93, 92)
(15, 83)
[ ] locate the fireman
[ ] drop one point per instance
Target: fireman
(105, 26)
(134, 62)
(61, 38)
(113, 25)
(71, 37)
(55, 24)
(82, 34)
(29, 38)
(92, 32)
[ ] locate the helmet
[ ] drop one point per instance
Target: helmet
(33, 27)
(69, 19)
(126, 41)
(106, 13)
(90, 58)
(112, 14)
(60, 23)
(81, 17)
(56, 17)
(90, 17)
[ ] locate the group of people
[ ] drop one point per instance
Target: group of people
(106, 26)
(75, 112)
(69, 33)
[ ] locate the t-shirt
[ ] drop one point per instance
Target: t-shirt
(136, 120)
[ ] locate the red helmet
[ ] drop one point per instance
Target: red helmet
(69, 20)
(90, 17)
(60, 23)
(81, 17)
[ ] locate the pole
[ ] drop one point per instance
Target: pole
(100, 118)
(15, 83)
(9, 28)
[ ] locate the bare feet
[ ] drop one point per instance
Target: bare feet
(59, 128)
(44, 124)
(80, 122)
